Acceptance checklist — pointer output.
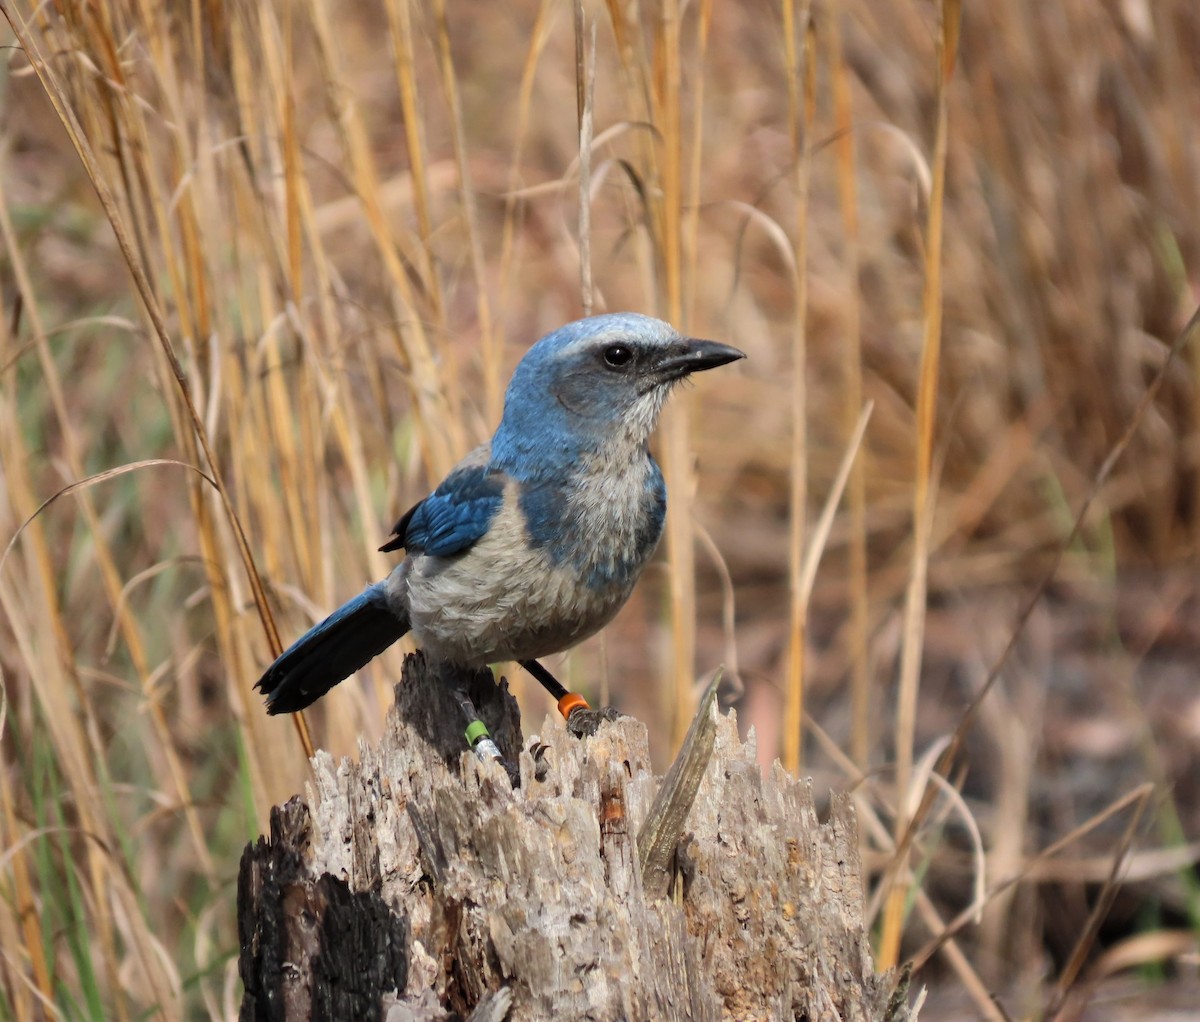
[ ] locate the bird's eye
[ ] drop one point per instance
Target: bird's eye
(617, 356)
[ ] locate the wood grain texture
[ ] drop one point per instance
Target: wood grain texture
(418, 884)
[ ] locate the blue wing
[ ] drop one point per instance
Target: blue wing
(454, 517)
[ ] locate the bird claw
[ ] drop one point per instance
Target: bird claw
(585, 722)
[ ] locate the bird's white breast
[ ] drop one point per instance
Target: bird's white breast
(503, 599)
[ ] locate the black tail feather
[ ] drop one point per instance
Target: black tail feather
(329, 652)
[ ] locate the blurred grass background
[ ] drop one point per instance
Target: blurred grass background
(346, 222)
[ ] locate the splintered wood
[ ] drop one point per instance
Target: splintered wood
(419, 884)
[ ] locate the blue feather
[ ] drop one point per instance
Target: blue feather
(456, 515)
(328, 652)
(557, 408)
(604, 559)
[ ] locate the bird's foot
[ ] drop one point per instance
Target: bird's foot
(580, 717)
(584, 721)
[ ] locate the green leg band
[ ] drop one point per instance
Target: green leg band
(476, 730)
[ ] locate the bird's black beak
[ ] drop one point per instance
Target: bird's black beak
(693, 356)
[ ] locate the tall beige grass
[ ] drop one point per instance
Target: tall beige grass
(265, 267)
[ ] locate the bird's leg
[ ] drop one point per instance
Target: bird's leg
(478, 738)
(580, 717)
(567, 701)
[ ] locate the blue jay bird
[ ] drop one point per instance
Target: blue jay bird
(534, 541)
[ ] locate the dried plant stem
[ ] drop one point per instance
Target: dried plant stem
(820, 533)
(677, 463)
(492, 384)
(400, 26)
(801, 77)
(585, 71)
(691, 232)
(21, 896)
(441, 432)
(927, 388)
(293, 185)
(57, 97)
(537, 45)
(105, 558)
(1136, 798)
(852, 392)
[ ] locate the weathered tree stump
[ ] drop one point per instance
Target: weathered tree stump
(420, 885)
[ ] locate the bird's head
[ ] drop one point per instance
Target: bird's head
(597, 380)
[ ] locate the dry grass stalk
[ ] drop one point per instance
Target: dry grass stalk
(857, 635)
(927, 390)
(802, 91)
